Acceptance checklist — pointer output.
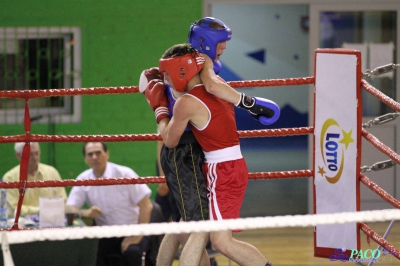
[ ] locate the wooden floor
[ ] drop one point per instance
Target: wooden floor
(295, 246)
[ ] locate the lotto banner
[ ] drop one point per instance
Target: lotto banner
(337, 124)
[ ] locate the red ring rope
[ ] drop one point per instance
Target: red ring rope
(379, 191)
(140, 180)
(29, 94)
(380, 240)
(380, 146)
(378, 94)
(280, 132)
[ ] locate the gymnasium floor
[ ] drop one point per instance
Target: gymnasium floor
(295, 246)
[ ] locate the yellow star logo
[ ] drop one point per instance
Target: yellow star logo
(347, 139)
(321, 170)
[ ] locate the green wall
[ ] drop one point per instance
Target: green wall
(119, 40)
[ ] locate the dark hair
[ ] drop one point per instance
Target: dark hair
(102, 144)
(178, 50)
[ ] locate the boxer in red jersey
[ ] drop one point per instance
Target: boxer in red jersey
(213, 123)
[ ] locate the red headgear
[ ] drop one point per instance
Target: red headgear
(181, 69)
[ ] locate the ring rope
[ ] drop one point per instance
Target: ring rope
(380, 240)
(379, 191)
(388, 151)
(139, 180)
(271, 82)
(380, 146)
(30, 235)
(381, 96)
(29, 94)
(280, 132)
(79, 138)
(281, 175)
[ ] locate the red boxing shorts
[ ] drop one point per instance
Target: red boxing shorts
(226, 185)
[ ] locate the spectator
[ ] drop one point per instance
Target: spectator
(37, 171)
(112, 205)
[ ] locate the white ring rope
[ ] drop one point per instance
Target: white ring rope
(23, 236)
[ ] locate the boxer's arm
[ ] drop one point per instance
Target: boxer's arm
(215, 86)
(264, 110)
(172, 129)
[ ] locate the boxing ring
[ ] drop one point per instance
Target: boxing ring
(319, 219)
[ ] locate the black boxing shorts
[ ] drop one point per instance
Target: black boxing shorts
(182, 167)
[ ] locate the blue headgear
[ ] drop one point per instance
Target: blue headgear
(205, 39)
(217, 67)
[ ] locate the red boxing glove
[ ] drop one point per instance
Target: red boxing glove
(147, 75)
(157, 99)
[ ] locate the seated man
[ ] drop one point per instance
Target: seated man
(112, 205)
(36, 171)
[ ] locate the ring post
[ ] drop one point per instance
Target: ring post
(337, 148)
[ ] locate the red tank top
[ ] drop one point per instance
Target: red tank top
(221, 131)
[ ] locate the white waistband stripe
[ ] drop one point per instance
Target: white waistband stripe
(224, 155)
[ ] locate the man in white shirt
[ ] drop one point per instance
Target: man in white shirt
(112, 204)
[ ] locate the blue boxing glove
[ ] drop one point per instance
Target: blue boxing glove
(263, 110)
